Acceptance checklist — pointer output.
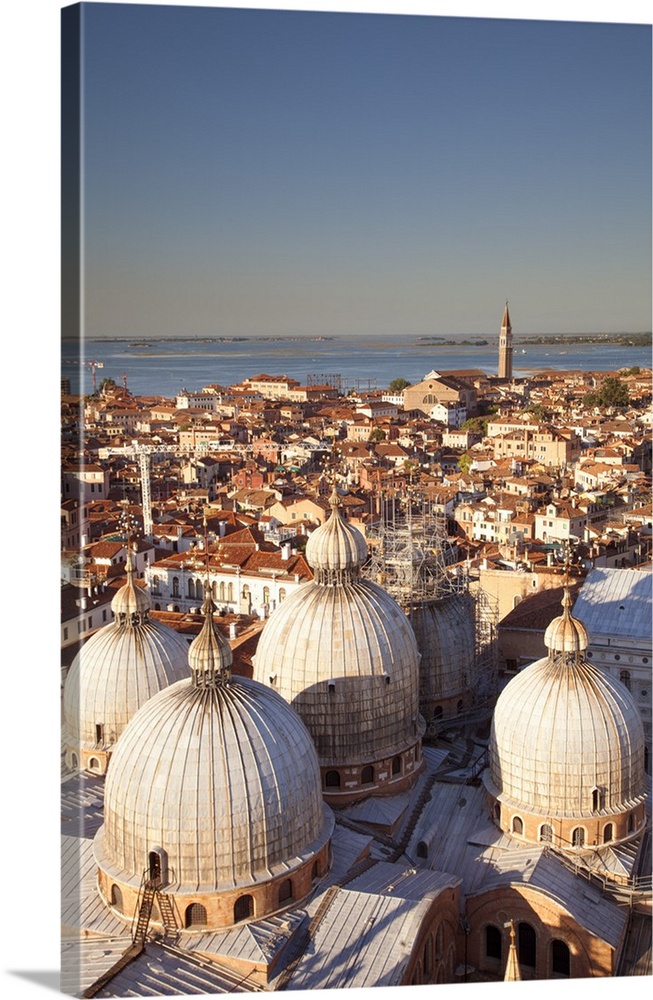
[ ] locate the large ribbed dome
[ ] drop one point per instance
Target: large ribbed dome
(218, 773)
(567, 738)
(116, 671)
(343, 654)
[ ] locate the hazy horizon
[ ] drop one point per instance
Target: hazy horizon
(300, 173)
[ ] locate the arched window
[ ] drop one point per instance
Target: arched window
(285, 891)
(516, 600)
(93, 764)
(527, 946)
(439, 942)
(175, 586)
(493, 942)
(195, 915)
(191, 588)
(396, 765)
(546, 834)
(608, 833)
(222, 590)
(517, 825)
(596, 799)
(155, 584)
(560, 959)
(116, 897)
(427, 956)
(578, 836)
(422, 849)
(266, 595)
(437, 712)
(624, 677)
(631, 823)
(243, 908)
(214, 591)
(74, 762)
(157, 607)
(459, 707)
(367, 775)
(332, 779)
(497, 812)
(245, 592)
(315, 871)
(230, 592)
(282, 594)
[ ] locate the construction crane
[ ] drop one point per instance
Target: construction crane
(143, 453)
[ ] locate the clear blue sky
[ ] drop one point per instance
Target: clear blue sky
(274, 172)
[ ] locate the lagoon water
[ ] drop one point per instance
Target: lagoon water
(164, 367)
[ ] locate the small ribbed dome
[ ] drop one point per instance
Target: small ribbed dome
(566, 634)
(223, 777)
(336, 546)
(118, 668)
(563, 729)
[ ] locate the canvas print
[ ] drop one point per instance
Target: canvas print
(355, 500)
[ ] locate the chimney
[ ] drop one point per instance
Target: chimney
(285, 551)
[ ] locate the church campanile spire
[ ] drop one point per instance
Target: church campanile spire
(505, 346)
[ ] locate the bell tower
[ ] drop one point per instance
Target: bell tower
(505, 346)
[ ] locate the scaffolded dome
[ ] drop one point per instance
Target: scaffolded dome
(217, 779)
(445, 633)
(116, 671)
(343, 654)
(566, 754)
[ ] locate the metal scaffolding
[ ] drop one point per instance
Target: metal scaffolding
(412, 558)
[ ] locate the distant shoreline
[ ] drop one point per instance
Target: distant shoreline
(622, 339)
(641, 339)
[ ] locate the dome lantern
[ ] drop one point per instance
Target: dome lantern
(210, 655)
(131, 604)
(566, 634)
(336, 550)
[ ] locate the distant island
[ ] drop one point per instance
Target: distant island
(622, 339)
(444, 342)
(196, 340)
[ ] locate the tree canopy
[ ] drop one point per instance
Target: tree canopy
(477, 425)
(398, 384)
(612, 393)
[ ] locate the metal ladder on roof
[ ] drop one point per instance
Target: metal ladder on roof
(149, 893)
